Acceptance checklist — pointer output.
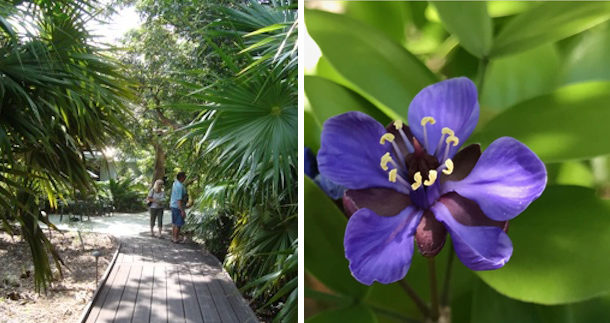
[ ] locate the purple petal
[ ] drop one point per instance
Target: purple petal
(452, 103)
(380, 248)
(382, 201)
(505, 180)
(478, 247)
(350, 152)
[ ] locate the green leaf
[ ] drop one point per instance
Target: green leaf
(328, 99)
(588, 59)
(324, 254)
(386, 16)
(561, 246)
(378, 68)
(569, 123)
(548, 22)
(513, 79)
(358, 313)
(490, 306)
(469, 22)
(312, 130)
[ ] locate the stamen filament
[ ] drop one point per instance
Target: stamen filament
(444, 131)
(453, 140)
(399, 153)
(424, 122)
(418, 181)
(408, 144)
(432, 175)
(393, 176)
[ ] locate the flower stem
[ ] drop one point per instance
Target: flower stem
(433, 290)
(446, 287)
(423, 308)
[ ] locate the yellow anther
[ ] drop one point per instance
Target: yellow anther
(431, 177)
(386, 136)
(426, 120)
(417, 178)
(392, 175)
(448, 167)
(447, 131)
(385, 159)
(398, 124)
(452, 139)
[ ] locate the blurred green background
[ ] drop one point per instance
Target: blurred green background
(543, 74)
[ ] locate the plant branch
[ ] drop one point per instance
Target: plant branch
(423, 308)
(433, 290)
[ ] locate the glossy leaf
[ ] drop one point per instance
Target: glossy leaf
(468, 21)
(328, 99)
(588, 59)
(516, 78)
(388, 17)
(490, 306)
(548, 22)
(569, 123)
(358, 313)
(561, 246)
(312, 130)
(378, 68)
(324, 229)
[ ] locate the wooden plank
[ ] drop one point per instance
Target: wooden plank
(147, 254)
(143, 306)
(192, 312)
(114, 296)
(225, 311)
(240, 307)
(97, 305)
(206, 302)
(175, 307)
(159, 299)
(128, 300)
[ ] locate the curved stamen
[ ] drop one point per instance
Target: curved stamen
(424, 122)
(386, 137)
(385, 159)
(448, 167)
(393, 176)
(432, 175)
(418, 181)
(444, 131)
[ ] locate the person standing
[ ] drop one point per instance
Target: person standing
(178, 205)
(156, 198)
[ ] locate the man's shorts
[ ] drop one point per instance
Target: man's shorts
(177, 219)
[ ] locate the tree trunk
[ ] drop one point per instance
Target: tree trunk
(159, 171)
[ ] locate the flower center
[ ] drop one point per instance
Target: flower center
(415, 167)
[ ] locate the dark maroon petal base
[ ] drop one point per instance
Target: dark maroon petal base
(382, 201)
(430, 235)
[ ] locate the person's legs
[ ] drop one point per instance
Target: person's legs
(176, 217)
(160, 220)
(152, 221)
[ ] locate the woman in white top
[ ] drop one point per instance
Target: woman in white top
(156, 198)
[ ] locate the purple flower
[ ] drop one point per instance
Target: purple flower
(331, 189)
(412, 183)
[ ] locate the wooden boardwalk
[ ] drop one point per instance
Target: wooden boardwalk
(154, 280)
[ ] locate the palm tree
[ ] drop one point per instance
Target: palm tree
(246, 135)
(59, 96)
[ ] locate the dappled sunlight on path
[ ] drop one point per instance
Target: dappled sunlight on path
(119, 224)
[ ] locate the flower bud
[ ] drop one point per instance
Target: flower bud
(430, 235)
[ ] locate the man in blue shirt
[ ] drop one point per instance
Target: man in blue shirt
(178, 205)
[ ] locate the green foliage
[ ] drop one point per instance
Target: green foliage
(215, 227)
(541, 71)
(60, 96)
(126, 196)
